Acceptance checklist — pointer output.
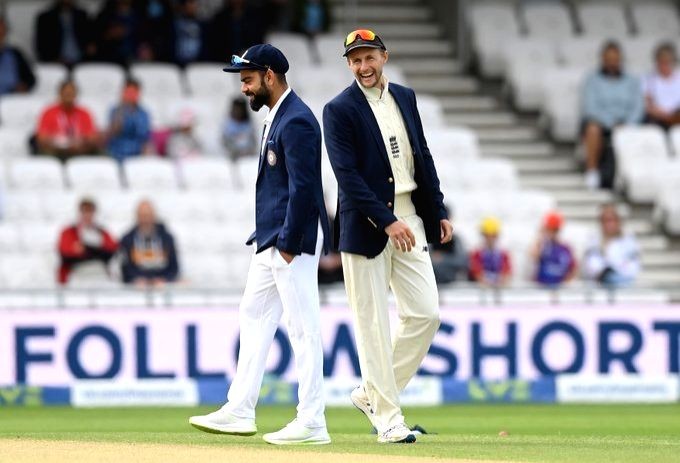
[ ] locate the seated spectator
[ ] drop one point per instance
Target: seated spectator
(189, 34)
(157, 30)
(613, 258)
(118, 28)
(64, 34)
(490, 265)
(553, 259)
(449, 260)
(238, 133)
(238, 25)
(311, 18)
(66, 129)
(148, 255)
(15, 73)
(129, 131)
(662, 89)
(611, 97)
(85, 242)
(182, 142)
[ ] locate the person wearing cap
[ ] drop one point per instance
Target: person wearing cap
(553, 259)
(490, 265)
(291, 231)
(390, 208)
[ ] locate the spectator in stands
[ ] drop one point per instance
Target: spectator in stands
(238, 133)
(613, 258)
(148, 255)
(611, 97)
(449, 260)
(156, 31)
(311, 17)
(118, 28)
(66, 129)
(64, 34)
(490, 265)
(553, 259)
(190, 34)
(662, 88)
(183, 142)
(237, 26)
(15, 73)
(84, 242)
(129, 131)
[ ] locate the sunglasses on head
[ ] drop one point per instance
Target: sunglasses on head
(236, 60)
(363, 34)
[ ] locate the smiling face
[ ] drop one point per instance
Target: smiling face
(254, 85)
(367, 65)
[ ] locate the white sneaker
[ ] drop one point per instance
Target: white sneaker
(360, 400)
(592, 179)
(223, 422)
(296, 433)
(397, 434)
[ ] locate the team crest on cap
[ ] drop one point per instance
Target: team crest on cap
(271, 158)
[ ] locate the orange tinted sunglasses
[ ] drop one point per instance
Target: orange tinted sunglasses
(363, 34)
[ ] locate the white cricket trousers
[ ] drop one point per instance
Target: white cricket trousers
(387, 365)
(275, 289)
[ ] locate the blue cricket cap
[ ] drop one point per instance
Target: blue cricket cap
(259, 57)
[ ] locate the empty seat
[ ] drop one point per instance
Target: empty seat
(321, 81)
(22, 270)
(21, 112)
(452, 144)
(93, 174)
(431, 111)
(10, 240)
(488, 174)
(161, 80)
(24, 205)
(561, 87)
(207, 80)
(13, 143)
(40, 237)
(296, 47)
(206, 174)
(60, 207)
(548, 20)
(332, 48)
(21, 16)
(48, 77)
(605, 19)
(150, 174)
(42, 173)
(581, 52)
(655, 18)
(526, 59)
(492, 24)
(638, 53)
(103, 81)
(207, 269)
(186, 206)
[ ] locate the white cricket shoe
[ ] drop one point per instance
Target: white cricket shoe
(223, 422)
(592, 179)
(296, 433)
(397, 434)
(360, 400)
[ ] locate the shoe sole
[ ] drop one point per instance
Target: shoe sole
(308, 442)
(203, 428)
(410, 439)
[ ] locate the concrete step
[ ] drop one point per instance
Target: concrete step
(582, 196)
(552, 181)
(449, 85)
(412, 30)
(482, 119)
(636, 226)
(588, 213)
(427, 67)
(547, 165)
(454, 104)
(508, 135)
(519, 150)
(661, 259)
(659, 277)
(382, 13)
(419, 48)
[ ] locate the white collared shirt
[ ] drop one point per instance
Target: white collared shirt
(270, 118)
(394, 134)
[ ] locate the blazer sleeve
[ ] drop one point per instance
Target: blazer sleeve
(343, 158)
(302, 147)
(430, 172)
(26, 75)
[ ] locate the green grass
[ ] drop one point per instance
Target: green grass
(545, 433)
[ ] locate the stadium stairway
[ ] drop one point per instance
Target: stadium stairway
(417, 44)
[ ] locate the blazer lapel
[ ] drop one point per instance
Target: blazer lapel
(369, 118)
(407, 115)
(272, 130)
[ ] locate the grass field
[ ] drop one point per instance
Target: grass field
(537, 433)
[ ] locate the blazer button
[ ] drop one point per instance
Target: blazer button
(391, 180)
(389, 204)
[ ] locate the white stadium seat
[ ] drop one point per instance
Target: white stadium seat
(451, 145)
(13, 143)
(488, 174)
(638, 53)
(206, 174)
(103, 81)
(100, 111)
(21, 17)
(161, 80)
(21, 112)
(206, 80)
(207, 269)
(606, 19)
(526, 59)
(561, 87)
(548, 20)
(332, 48)
(296, 47)
(320, 82)
(21, 270)
(60, 207)
(493, 23)
(90, 174)
(22, 206)
(150, 174)
(655, 18)
(10, 238)
(48, 78)
(431, 112)
(581, 52)
(39, 237)
(41, 173)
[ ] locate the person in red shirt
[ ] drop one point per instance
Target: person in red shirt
(66, 129)
(85, 241)
(490, 265)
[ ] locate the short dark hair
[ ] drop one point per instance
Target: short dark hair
(66, 82)
(131, 81)
(87, 203)
(665, 47)
(611, 45)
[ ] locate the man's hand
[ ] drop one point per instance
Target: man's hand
(401, 235)
(446, 231)
(286, 256)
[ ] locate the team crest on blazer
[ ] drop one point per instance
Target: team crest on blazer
(271, 158)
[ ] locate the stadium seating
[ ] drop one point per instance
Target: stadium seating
(603, 19)
(296, 47)
(548, 21)
(48, 77)
(13, 142)
(150, 174)
(162, 80)
(526, 58)
(655, 18)
(206, 174)
(21, 112)
(206, 80)
(43, 173)
(88, 174)
(102, 81)
(561, 101)
(492, 24)
(22, 16)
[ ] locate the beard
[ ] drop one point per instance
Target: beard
(259, 99)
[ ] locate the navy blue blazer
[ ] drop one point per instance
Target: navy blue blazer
(366, 184)
(289, 198)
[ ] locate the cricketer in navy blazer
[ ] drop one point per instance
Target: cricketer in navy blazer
(289, 197)
(366, 184)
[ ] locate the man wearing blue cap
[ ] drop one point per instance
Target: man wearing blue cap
(390, 208)
(291, 231)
